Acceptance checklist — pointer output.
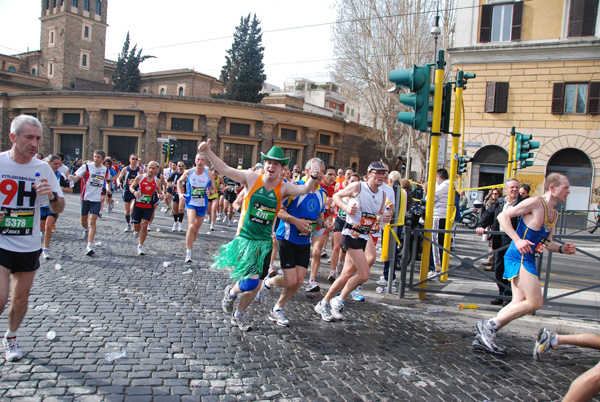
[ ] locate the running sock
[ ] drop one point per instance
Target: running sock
(89, 244)
(266, 283)
(554, 341)
(493, 324)
(128, 218)
(238, 313)
(276, 307)
(10, 334)
(181, 217)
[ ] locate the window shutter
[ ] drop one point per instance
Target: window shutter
(501, 97)
(485, 31)
(593, 104)
(517, 21)
(558, 93)
(490, 97)
(576, 18)
(590, 14)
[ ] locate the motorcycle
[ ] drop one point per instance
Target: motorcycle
(470, 216)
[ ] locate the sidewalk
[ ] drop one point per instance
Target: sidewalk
(180, 346)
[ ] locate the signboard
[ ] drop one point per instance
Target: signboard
(172, 138)
(442, 151)
(240, 161)
(76, 151)
(473, 144)
(184, 157)
(162, 140)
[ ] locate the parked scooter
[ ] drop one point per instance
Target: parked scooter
(470, 217)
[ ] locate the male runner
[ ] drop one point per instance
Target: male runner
(125, 178)
(178, 205)
(199, 185)
(229, 196)
(20, 222)
(47, 217)
(299, 218)
(365, 207)
(248, 254)
(213, 199)
(144, 188)
(167, 172)
(533, 235)
(93, 176)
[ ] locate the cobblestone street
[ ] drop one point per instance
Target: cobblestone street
(180, 346)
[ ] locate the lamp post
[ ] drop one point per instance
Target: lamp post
(436, 31)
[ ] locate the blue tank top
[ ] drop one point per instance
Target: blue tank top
(537, 237)
(307, 206)
(197, 188)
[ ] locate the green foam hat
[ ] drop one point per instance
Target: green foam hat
(275, 154)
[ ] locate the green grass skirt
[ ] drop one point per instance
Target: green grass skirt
(244, 256)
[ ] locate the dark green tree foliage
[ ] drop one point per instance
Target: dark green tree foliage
(127, 76)
(243, 73)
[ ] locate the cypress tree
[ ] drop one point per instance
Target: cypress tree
(127, 75)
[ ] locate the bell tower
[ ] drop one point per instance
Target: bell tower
(72, 41)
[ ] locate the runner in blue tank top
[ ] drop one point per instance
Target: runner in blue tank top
(533, 235)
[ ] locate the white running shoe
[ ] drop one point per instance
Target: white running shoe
(140, 250)
(136, 234)
(278, 317)
(357, 294)
(312, 286)
(46, 254)
(188, 256)
(543, 343)
(127, 228)
(84, 235)
(11, 349)
(89, 250)
(179, 227)
(337, 308)
(174, 227)
(241, 323)
(324, 309)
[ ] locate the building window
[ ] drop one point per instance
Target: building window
(238, 154)
(324, 139)
(54, 3)
(12, 69)
(501, 22)
(178, 124)
(288, 134)
(123, 120)
(162, 90)
(98, 7)
(85, 33)
(84, 60)
(47, 4)
(292, 154)
(144, 91)
(180, 91)
(496, 97)
(576, 98)
(73, 3)
(33, 72)
(582, 18)
(51, 36)
(325, 157)
(86, 5)
(50, 69)
(239, 129)
(71, 119)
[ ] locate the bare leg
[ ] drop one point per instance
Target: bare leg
(92, 229)
(21, 286)
(585, 387)
(527, 298)
(291, 281)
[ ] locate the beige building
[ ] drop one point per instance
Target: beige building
(538, 69)
(66, 85)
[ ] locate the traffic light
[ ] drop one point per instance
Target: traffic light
(446, 106)
(417, 80)
(524, 145)
(402, 160)
(462, 164)
(172, 149)
(165, 150)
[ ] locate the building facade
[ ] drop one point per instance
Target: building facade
(538, 69)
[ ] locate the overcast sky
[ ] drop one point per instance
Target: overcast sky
(196, 33)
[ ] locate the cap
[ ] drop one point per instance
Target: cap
(377, 166)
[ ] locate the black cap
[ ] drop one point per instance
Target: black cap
(377, 166)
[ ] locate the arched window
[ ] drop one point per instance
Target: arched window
(162, 91)
(33, 72)
(180, 91)
(12, 69)
(144, 91)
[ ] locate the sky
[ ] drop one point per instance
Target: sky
(195, 34)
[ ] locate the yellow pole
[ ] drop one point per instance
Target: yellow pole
(433, 161)
(450, 213)
(511, 154)
(513, 140)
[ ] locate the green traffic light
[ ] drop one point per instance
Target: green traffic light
(417, 80)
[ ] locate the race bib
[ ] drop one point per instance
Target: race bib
(96, 180)
(145, 198)
(313, 227)
(539, 249)
(367, 220)
(17, 222)
(198, 192)
(262, 214)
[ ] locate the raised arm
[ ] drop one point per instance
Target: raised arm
(241, 176)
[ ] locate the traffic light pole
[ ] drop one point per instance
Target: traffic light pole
(511, 155)
(433, 162)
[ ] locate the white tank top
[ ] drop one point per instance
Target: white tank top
(368, 205)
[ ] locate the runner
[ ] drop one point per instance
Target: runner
(107, 190)
(20, 222)
(230, 194)
(199, 185)
(213, 199)
(93, 177)
(248, 254)
(144, 188)
(532, 237)
(125, 178)
(299, 218)
(178, 206)
(167, 172)
(366, 205)
(47, 217)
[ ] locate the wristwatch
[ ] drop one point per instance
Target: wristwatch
(55, 197)
(313, 177)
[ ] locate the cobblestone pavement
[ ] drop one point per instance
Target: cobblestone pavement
(180, 346)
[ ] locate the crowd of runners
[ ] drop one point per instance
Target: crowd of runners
(289, 214)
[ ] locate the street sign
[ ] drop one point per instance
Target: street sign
(473, 144)
(172, 138)
(184, 157)
(162, 139)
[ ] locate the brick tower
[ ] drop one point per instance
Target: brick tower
(72, 41)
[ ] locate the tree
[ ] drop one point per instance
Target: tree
(243, 73)
(127, 76)
(374, 37)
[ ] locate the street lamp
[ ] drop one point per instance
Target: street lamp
(436, 31)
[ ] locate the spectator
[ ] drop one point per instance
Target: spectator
(524, 191)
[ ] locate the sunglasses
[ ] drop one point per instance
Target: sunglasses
(134, 159)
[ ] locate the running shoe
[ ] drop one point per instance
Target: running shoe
(324, 309)
(277, 317)
(179, 227)
(127, 228)
(136, 233)
(331, 277)
(188, 256)
(11, 349)
(272, 271)
(174, 227)
(383, 282)
(262, 293)
(46, 254)
(212, 226)
(241, 323)
(100, 214)
(323, 253)
(312, 286)
(357, 294)
(227, 302)
(140, 250)
(110, 209)
(543, 343)
(84, 235)
(337, 308)
(89, 250)
(229, 223)
(487, 337)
